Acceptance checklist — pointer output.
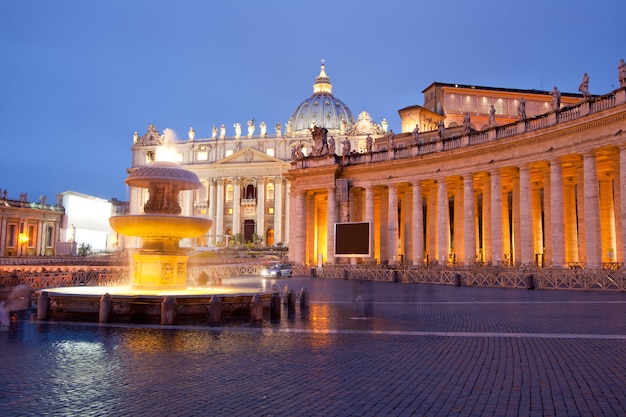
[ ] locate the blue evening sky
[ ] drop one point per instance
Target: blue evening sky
(79, 77)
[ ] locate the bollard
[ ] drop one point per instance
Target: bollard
(256, 308)
(275, 306)
(285, 293)
(457, 280)
(168, 310)
(530, 282)
(43, 306)
(394, 276)
(304, 298)
(291, 302)
(345, 274)
(215, 309)
(312, 272)
(106, 308)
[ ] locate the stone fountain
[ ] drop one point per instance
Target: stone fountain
(158, 285)
(161, 264)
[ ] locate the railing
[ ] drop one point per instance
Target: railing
(497, 277)
(480, 276)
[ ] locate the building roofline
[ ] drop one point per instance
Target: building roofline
(509, 90)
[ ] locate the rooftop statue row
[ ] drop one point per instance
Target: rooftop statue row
(365, 125)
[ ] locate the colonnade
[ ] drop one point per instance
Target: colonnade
(557, 212)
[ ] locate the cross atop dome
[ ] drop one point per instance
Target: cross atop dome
(322, 82)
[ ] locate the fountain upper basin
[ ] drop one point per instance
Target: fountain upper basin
(160, 225)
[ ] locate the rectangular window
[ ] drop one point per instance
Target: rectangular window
(49, 231)
(11, 235)
(483, 104)
(500, 105)
(32, 235)
(468, 104)
(270, 210)
(202, 155)
(452, 103)
(270, 152)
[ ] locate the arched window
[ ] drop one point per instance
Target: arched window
(269, 192)
(250, 192)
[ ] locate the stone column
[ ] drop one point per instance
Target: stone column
(458, 245)
(607, 219)
(369, 216)
(392, 223)
(260, 209)
(431, 215)
(469, 225)
(219, 218)
(526, 217)
(487, 216)
(622, 188)
(557, 214)
(236, 205)
(418, 225)
(284, 208)
(443, 222)
(537, 224)
(516, 239)
(592, 212)
(580, 206)
(497, 248)
(332, 219)
(297, 247)
(617, 198)
(571, 226)
(278, 210)
(212, 210)
(547, 217)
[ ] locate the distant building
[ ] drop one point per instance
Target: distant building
(87, 223)
(29, 228)
(451, 102)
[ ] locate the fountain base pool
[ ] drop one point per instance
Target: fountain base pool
(131, 305)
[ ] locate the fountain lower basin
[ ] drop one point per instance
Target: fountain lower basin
(131, 305)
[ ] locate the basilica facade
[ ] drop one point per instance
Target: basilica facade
(243, 168)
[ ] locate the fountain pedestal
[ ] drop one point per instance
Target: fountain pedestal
(159, 272)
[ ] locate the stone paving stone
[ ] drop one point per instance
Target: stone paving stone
(427, 351)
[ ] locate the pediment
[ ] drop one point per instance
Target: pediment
(248, 155)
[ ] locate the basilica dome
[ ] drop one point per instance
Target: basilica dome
(322, 109)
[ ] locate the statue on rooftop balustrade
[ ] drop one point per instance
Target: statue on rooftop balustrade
(467, 124)
(584, 87)
(556, 98)
(320, 144)
(621, 73)
(492, 116)
(521, 109)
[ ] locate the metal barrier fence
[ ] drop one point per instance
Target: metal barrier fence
(484, 276)
(500, 277)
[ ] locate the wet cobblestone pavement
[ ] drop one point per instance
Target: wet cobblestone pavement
(407, 350)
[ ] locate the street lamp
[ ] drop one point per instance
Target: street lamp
(22, 240)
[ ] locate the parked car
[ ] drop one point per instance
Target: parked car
(278, 270)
